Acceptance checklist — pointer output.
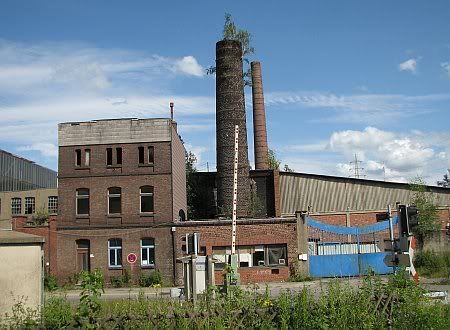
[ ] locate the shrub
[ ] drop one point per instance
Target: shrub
(57, 313)
(116, 281)
(50, 282)
(89, 308)
(430, 263)
(151, 279)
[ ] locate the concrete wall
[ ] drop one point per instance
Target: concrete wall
(41, 200)
(20, 276)
(114, 131)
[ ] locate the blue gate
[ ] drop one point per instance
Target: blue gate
(336, 251)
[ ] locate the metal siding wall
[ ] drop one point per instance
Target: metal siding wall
(17, 174)
(328, 195)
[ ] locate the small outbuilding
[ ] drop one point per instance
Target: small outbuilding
(21, 270)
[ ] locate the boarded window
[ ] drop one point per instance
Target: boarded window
(151, 155)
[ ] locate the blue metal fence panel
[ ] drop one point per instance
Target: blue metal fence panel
(339, 265)
(374, 261)
(380, 226)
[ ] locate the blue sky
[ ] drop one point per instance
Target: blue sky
(340, 77)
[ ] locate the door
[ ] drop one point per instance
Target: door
(83, 255)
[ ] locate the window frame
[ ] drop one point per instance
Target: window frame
(13, 206)
(109, 156)
(77, 157)
(30, 202)
(148, 248)
(151, 155)
(116, 250)
(87, 157)
(80, 197)
(119, 159)
(151, 194)
(114, 195)
(52, 200)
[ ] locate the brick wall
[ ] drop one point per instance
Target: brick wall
(48, 231)
(67, 251)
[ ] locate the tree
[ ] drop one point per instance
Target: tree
(191, 160)
(287, 168)
(274, 162)
(231, 32)
(428, 212)
(445, 182)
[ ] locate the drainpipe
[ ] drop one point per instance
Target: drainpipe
(174, 255)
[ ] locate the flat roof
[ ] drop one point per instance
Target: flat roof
(15, 237)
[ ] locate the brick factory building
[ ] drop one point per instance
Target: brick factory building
(121, 185)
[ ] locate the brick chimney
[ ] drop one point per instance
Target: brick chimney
(230, 111)
(259, 119)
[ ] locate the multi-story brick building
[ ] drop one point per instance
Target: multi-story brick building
(122, 184)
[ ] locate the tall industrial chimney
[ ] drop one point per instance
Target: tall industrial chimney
(259, 119)
(230, 111)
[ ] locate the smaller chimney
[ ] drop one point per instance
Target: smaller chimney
(259, 119)
(171, 110)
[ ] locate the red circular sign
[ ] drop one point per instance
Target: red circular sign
(131, 258)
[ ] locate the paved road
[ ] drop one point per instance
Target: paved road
(275, 289)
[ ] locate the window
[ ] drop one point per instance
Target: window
(258, 256)
(52, 204)
(109, 156)
(276, 255)
(114, 200)
(141, 155)
(151, 155)
(82, 201)
(115, 253)
(87, 157)
(30, 205)
(119, 156)
(147, 252)
(16, 205)
(78, 157)
(181, 215)
(146, 199)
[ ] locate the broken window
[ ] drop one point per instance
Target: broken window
(119, 156)
(52, 204)
(78, 157)
(258, 256)
(141, 155)
(30, 205)
(82, 201)
(109, 156)
(16, 205)
(114, 200)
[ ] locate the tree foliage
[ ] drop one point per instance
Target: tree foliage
(445, 181)
(428, 212)
(191, 160)
(274, 162)
(231, 32)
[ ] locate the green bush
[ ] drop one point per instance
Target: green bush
(57, 313)
(154, 278)
(430, 263)
(116, 281)
(50, 282)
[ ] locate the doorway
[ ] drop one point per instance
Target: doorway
(83, 255)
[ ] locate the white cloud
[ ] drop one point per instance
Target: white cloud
(359, 108)
(46, 149)
(189, 65)
(446, 67)
(409, 65)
